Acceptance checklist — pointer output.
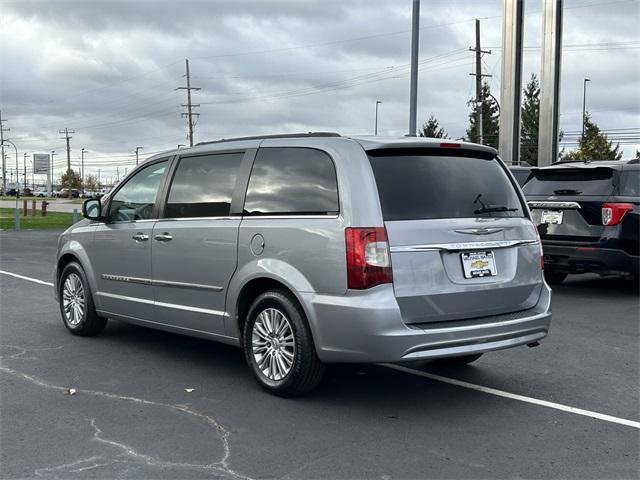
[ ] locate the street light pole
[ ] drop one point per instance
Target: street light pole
(24, 170)
(137, 149)
(413, 90)
(584, 106)
(82, 170)
(378, 102)
(17, 166)
(53, 152)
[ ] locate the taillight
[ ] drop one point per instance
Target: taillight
(613, 213)
(368, 260)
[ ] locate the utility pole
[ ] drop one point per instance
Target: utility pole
(189, 113)
(82, 169)
(478, 74)
(53, 152)
(66, 132)
(98, 179)
(584, 107)
(4, 162)
(138, 149)
(375, 132)
(24, 170)
(415, 44)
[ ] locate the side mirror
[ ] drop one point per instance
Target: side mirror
(92, 209)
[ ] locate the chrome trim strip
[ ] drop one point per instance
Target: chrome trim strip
(281, 217)
(161, 283)
(121, 278)
(569, 205)
(454, 247)
(197, 286)
(178, 219)
(163, 304)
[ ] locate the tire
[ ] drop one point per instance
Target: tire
(554, 277)
(73, 288)
(286, 363)
(458, 361)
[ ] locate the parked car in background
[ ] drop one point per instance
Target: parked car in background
(68, 193)
(42, 193)
(588, 216)
(520, 172)
(314, 248)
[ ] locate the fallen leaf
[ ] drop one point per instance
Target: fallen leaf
(189, 390)
(71, 391)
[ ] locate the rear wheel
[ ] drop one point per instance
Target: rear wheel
(458, 361)
(278, 345)
(76, 303)
(554, 277)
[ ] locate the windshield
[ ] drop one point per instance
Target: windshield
(425, 186)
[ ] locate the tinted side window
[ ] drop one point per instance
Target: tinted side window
(203, 186)
(292, 181)
(137, 198)
(630, 183)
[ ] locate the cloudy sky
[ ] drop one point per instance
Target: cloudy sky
(109, 69)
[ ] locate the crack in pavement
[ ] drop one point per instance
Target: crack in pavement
(23, 351)
(221, 466)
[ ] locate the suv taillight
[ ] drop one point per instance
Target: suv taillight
(368, 260)
(613, 213)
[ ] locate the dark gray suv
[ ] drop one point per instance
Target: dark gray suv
(314, 248)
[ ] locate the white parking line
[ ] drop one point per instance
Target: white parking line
(514, 396)
(29, 279)
(458, 383)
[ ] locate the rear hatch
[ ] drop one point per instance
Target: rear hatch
(566, 202)
(461, 244)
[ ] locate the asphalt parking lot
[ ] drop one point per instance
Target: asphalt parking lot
(131, 416)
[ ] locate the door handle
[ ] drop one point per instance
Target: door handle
(140, 237)
(163, 237)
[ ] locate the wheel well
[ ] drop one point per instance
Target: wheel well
(63, 261)
(250, 292)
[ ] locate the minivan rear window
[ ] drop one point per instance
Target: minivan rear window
(416, 185)
(570, 181)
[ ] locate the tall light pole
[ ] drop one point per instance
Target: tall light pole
(17, 167)
(53, 152)
(138, 149)
(413, 93)
(584, 106)
(378, 102)
(24, 170)
(82, 169)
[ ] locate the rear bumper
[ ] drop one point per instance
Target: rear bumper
(367, 327)
(579, 259)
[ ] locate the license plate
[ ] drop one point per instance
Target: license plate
(553, 217)
(478, 264)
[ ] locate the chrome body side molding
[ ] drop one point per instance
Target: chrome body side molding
(161, 283)
(550, 204)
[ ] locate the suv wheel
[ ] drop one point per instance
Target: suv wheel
(76, 303)
(554, 277)
(278, 345)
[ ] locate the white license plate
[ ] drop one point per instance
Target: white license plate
(478, 264)
(553, 217)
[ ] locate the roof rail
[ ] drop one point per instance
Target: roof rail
(280, 135)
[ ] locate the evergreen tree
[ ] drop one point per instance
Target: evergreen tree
(71, 179)
(595, 145)
(530, 122)
(431, 128)
(490, 119)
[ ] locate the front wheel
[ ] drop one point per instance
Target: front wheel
(76, 303)
(278, 345)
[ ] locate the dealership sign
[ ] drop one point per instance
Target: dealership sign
(41, 162)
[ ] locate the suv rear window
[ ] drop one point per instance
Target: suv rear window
(417, 185)
(570, 181)
(630, 183)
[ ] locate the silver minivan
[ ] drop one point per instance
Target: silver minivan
(308, 249)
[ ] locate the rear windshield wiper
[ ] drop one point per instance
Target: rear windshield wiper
(494, 208)
(490, 208)
(567, 191)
